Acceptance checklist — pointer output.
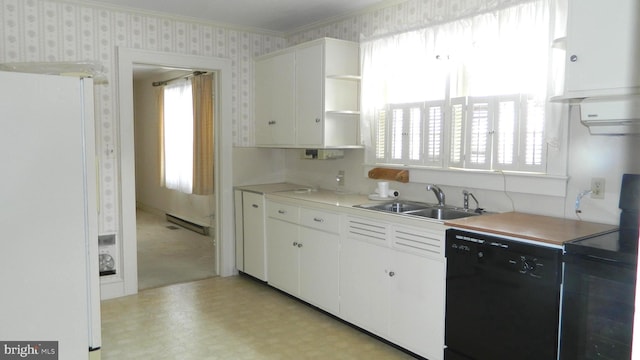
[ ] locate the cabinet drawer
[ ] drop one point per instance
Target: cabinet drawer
(283, 212)
(320, 220)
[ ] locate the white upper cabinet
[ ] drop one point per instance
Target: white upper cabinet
(307, 96)
(275, 93)
(602, 48)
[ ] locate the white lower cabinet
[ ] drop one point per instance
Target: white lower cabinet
(416, 306)
(364, 285)
(392, 283)
(387, 277)
(303, 252)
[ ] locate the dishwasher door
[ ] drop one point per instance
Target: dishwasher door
(502, 298)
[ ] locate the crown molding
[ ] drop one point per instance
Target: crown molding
(339, 18)
(182, 18)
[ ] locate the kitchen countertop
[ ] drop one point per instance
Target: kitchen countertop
(541, 228)
(547, 229)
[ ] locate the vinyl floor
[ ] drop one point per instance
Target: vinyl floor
(228, 318)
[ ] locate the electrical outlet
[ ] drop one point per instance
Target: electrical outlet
(597, 188)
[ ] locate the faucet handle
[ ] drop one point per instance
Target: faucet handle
(466, 194)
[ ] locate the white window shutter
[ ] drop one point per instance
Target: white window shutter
(506, 124)
(381, 135)
(434, 124)
(479, 128)
(457, 131)
(533, 145)
(406, 134)
(397, 133)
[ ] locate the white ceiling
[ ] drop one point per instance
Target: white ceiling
(273, 15)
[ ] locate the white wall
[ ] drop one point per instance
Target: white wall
(199, 209)
(607, 157)
(258, 166)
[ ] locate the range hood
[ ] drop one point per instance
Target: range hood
(619, 115)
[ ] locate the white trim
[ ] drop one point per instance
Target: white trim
(224, 231)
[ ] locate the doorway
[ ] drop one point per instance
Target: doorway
(175, 248)
(223, 229)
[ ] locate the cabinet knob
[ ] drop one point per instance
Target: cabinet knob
(255, 205)
(392, 274)
(299, 245)
(272, 122)
(317, 120)
(295, 243)
(573, 58)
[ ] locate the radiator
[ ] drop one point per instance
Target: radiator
(200, 229)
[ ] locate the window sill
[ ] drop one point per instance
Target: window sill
(517, 182)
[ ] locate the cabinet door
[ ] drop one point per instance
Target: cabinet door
(602, 51)
(309, 85)
(320, 269)
(254, 235)
(364, 285)
(282, 255)
(275, 96)
(237, 200)
(416, 313)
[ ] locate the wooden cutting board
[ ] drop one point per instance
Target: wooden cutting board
(389, 174)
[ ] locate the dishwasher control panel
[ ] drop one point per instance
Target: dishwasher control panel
(493, 254)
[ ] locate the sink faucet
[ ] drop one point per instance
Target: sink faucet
(466, 194)
(439, 193)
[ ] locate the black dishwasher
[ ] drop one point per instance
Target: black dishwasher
(502, 298)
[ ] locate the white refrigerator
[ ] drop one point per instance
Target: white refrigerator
(49, 281)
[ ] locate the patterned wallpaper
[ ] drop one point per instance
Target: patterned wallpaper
(39, 30)
(59, 30)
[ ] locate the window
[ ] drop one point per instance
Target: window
(178, 136)
(468, 94)
(186, 109)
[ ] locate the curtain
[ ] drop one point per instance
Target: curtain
(203, 134)
(494, 53)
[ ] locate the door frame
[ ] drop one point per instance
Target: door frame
(223, 180)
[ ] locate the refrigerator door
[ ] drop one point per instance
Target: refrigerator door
(48, 213)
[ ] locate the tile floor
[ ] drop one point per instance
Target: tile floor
(167, 256)
(228, 318)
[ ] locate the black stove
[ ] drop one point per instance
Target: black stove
(616, 247)
(599, 286)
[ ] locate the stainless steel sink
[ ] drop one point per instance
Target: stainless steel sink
(440, 213)
(413, 208)
(398, 206)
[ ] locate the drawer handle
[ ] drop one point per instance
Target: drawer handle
(282, 212)
(320, 220)
(255, 205)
